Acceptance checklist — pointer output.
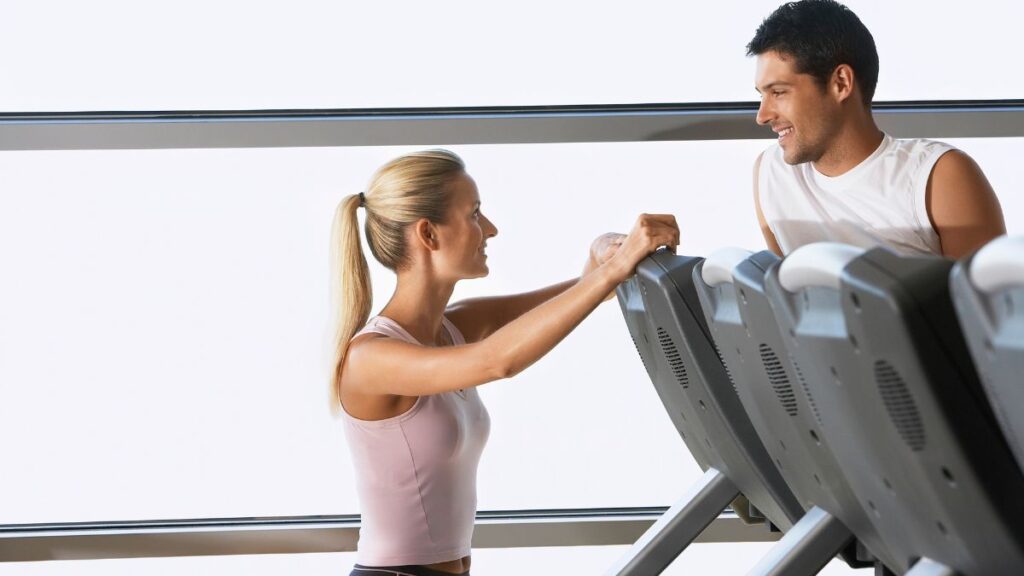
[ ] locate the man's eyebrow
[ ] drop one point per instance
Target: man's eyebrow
(772, 85)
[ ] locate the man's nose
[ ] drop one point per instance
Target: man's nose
(764, 113)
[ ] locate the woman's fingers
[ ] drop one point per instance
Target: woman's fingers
(649, 233)
(667, 219)
(660, 228)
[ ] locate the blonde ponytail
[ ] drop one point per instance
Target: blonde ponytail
(351, 285)
(402, 192)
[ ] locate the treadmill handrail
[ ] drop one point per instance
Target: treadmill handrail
(999, 264)
(816, 265)
(718, 266)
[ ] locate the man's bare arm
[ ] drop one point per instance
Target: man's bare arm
(962, 207)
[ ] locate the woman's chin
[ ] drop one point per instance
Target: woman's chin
(479, 272)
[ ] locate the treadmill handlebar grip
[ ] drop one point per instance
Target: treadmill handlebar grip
(718, 266)
(999, 264)
(816, 265)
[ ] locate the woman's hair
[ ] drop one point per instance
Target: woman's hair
(403, 191)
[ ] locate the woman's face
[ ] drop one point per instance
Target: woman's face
(463, 236)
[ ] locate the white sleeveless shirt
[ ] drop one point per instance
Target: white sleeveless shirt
(881, 201)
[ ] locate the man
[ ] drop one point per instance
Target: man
(833, 175)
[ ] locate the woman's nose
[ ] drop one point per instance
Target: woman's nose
(490, 229)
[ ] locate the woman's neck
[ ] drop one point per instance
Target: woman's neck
(418, 304)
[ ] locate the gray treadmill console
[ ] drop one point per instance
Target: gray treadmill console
(773, 390)
(663, 314)
(901, 407)
(988, 291)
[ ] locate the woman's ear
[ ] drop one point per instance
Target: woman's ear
(425, 234)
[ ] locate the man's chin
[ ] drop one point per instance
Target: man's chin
(793, 158)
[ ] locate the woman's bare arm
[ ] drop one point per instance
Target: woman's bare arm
(386, 366)
(478, 318)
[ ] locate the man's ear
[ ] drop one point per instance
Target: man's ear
(842, 82)
(425, 233)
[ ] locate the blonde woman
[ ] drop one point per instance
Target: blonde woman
(405, 381)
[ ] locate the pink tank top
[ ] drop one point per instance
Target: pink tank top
(416, 472)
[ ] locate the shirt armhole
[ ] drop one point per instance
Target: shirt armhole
(924, 173)
(766, 157)
(453, 332)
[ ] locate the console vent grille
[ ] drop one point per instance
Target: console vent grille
(675, 360)
(778, 379)
(900, 405)
(807, 390)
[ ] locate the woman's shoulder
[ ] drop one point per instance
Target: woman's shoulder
(384, 327)
(469, 323)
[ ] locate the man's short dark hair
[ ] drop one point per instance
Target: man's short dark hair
(820, 35)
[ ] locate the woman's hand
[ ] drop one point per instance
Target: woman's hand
(650, 232)
(605, 246)
(602, 249)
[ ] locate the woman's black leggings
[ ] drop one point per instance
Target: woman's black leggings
(399, 571)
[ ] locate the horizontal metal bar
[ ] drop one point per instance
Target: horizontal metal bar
(205, 537)
(298, 521)
(587, 109)
(454, 126)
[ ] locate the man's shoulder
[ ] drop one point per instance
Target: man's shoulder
(920, 146)
(920, 157)
(955, 164)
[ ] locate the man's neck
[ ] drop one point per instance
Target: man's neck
(856, 141)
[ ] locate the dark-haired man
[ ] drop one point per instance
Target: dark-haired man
(833, 175)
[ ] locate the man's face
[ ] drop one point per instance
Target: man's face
(797, 108)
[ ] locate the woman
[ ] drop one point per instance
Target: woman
(405, 382)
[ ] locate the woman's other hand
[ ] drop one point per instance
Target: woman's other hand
(605, 246)
(602, 249)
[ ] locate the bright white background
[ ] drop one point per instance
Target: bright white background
(239, 54)
(163, 332)
(163, 316)
(162, 313)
